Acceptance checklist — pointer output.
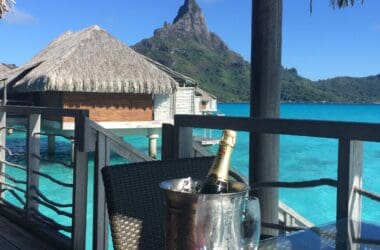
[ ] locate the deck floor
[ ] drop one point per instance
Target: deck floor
(13, 237)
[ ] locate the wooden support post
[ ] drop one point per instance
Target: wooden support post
(33, 162)
(265, 102)
(80, 201)
(51, 144)
(5, 94)
(78, 239)
(100, 221)
(184, 142)
(349, 177)
(167, 146)
(153, 136)
(72, 151)
(3, 134)
(350, 161)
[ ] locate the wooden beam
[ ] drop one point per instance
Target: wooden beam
(358, 131)
(33, 162)
(43, 110)
(349, 178)
(80, 179)
(167, 147)
(185, 142)
(349, 202)
(3, 134)
(265, 102)
(100, 221)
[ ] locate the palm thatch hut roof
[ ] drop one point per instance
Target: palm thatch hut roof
(3, 69)
(184, 81)
(90, 60)
(205, 96)
(180, 78)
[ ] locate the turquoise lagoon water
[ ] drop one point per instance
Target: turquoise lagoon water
(301, 158)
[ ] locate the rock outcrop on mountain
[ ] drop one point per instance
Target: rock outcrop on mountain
(187, 46)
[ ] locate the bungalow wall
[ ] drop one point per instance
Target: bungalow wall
(163, 107)
(209, 105)
(117, 107)
(184, 99)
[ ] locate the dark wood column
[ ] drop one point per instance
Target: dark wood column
(265, 101)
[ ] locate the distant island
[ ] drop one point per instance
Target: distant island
(186, 45)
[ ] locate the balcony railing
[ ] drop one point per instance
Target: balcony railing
(177, 143)
(88, 137)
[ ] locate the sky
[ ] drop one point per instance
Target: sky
(324, 44)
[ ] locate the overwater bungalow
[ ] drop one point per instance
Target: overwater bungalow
(123, 90)
(91, 69)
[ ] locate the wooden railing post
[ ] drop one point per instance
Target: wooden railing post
(3, 134)
(80, 186)
(100, 222)
(349, 177)
(265, 102)
(183, 142)
(33, 162)
(167, 147)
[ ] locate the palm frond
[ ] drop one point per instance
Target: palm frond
(338, 3)
(5, 6)
(344, 3)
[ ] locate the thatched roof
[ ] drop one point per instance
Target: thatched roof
(205, 96)
(180, 78)
(90, 60)
(3, 69)
(185, 81)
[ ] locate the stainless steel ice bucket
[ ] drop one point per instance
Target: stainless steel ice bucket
(181, 203)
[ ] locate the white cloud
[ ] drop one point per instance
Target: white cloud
(20, 17)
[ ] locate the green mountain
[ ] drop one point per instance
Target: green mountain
(353, 89)
(186, 45)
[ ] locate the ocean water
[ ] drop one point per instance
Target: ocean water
(306, 158)
(301, 158)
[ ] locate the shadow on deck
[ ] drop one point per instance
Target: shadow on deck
(14, 237)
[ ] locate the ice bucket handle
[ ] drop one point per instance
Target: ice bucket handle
(251, 223)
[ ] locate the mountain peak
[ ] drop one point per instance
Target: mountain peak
(189, 8)
(191, 19)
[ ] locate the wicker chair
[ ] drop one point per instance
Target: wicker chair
(135, 202)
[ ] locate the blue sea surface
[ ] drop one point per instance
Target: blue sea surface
(307, 158)
(301, 158)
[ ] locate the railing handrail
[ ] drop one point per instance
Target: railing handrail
(28, 110)
(134, 154)
(312, 128)
(348, 134)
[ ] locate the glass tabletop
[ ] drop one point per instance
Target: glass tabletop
(343, 234)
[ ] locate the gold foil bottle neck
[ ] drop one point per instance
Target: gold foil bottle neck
(229, 137)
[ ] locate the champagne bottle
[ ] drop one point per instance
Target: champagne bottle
(217, 178)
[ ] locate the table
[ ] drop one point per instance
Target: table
(344, 234)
